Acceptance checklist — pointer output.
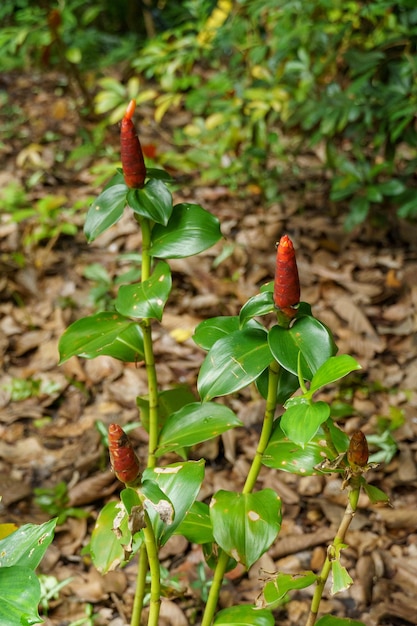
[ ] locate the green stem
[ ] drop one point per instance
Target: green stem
(152, 551)
(354, 490)
(223, 558)
(140, 586)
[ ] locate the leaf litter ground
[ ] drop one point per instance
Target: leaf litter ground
(361, 284)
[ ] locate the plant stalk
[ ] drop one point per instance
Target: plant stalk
(154, 569)
(140, 586)
(354, 490)
(223, 558)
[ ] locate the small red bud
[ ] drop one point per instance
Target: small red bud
(123, 459)
(287, 283)
(133, 164)
(358, 452)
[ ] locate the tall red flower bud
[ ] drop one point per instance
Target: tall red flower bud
(358, 452)
(123, 459)
(287, 283)
(133, 164)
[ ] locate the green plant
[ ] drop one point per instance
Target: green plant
(50, 588)
(20, 589)
(267, 81)
(296, 354)
(54, 501)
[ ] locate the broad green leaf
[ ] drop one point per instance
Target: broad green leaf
(330, 620)
(374, 494)
(244, 615)
(208, 332)
(154, 172)
(190, 230)
(27, 545)
(181, 483)
(105, 211)
(20, 594)
(307, 336)
(287, 385)
(169, 401)
(148, 298)
(153, 201)
(302, 419)
(333, 369)
(233, 363)
(341, 579)
(196, 526)
(106, 548)
(393, 187)
(275, 590)
(287, 456)
(245, 525)
(261, 304)
(359, 209)
(157, 502)
(104, 333)
(195, 423)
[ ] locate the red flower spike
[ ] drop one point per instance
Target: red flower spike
(133, 164)
(287, 283)
(123, 459)
(358, 452)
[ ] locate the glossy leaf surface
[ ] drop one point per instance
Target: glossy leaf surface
(153, 201)
(307, 336)
(302, 419)
(245, 525)
(105, 211)
(181, 483)
(190, 230)
(106, 549)
(289, 457)
(148, 298)
(27, 545)
(195, 423)
(104, 333)
(233, 362)
(196, 526)
(261, 304)
(332, 370)
(20, 594)
(274, 591)
(244, 615)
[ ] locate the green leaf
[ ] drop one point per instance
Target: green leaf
(307, 336)
(275, 591)
(393, 187)
(302, 419)
(374, 494)
(196, 526)
(106, 548)
(105, 211)
(244, 615)
(209, 331)
(359, 209)
(27, 545)
(169, 401)
(245, 525)
(181, 483)
(330, 620)
(287, 385)
(195, 423)
(154, 172)
(341, 579)
(289, 457)
(233, 363)
(261, 304)
(104, 333)
(148, 298)
(333, 369)
(153, 201)
(190, 230)
(20, 594)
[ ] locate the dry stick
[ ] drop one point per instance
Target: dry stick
(354, 490)
(223, 557)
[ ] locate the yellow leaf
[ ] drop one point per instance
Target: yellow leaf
(7, 529)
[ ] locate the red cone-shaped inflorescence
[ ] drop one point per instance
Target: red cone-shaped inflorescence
(134, 170)
(287, 283)
(123, 459)
(358, 452)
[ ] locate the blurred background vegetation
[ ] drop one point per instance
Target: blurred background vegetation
(269, 93)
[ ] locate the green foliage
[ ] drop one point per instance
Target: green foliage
(54, 501)
(281, 77)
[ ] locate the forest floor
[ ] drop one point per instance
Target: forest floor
(361, 284)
